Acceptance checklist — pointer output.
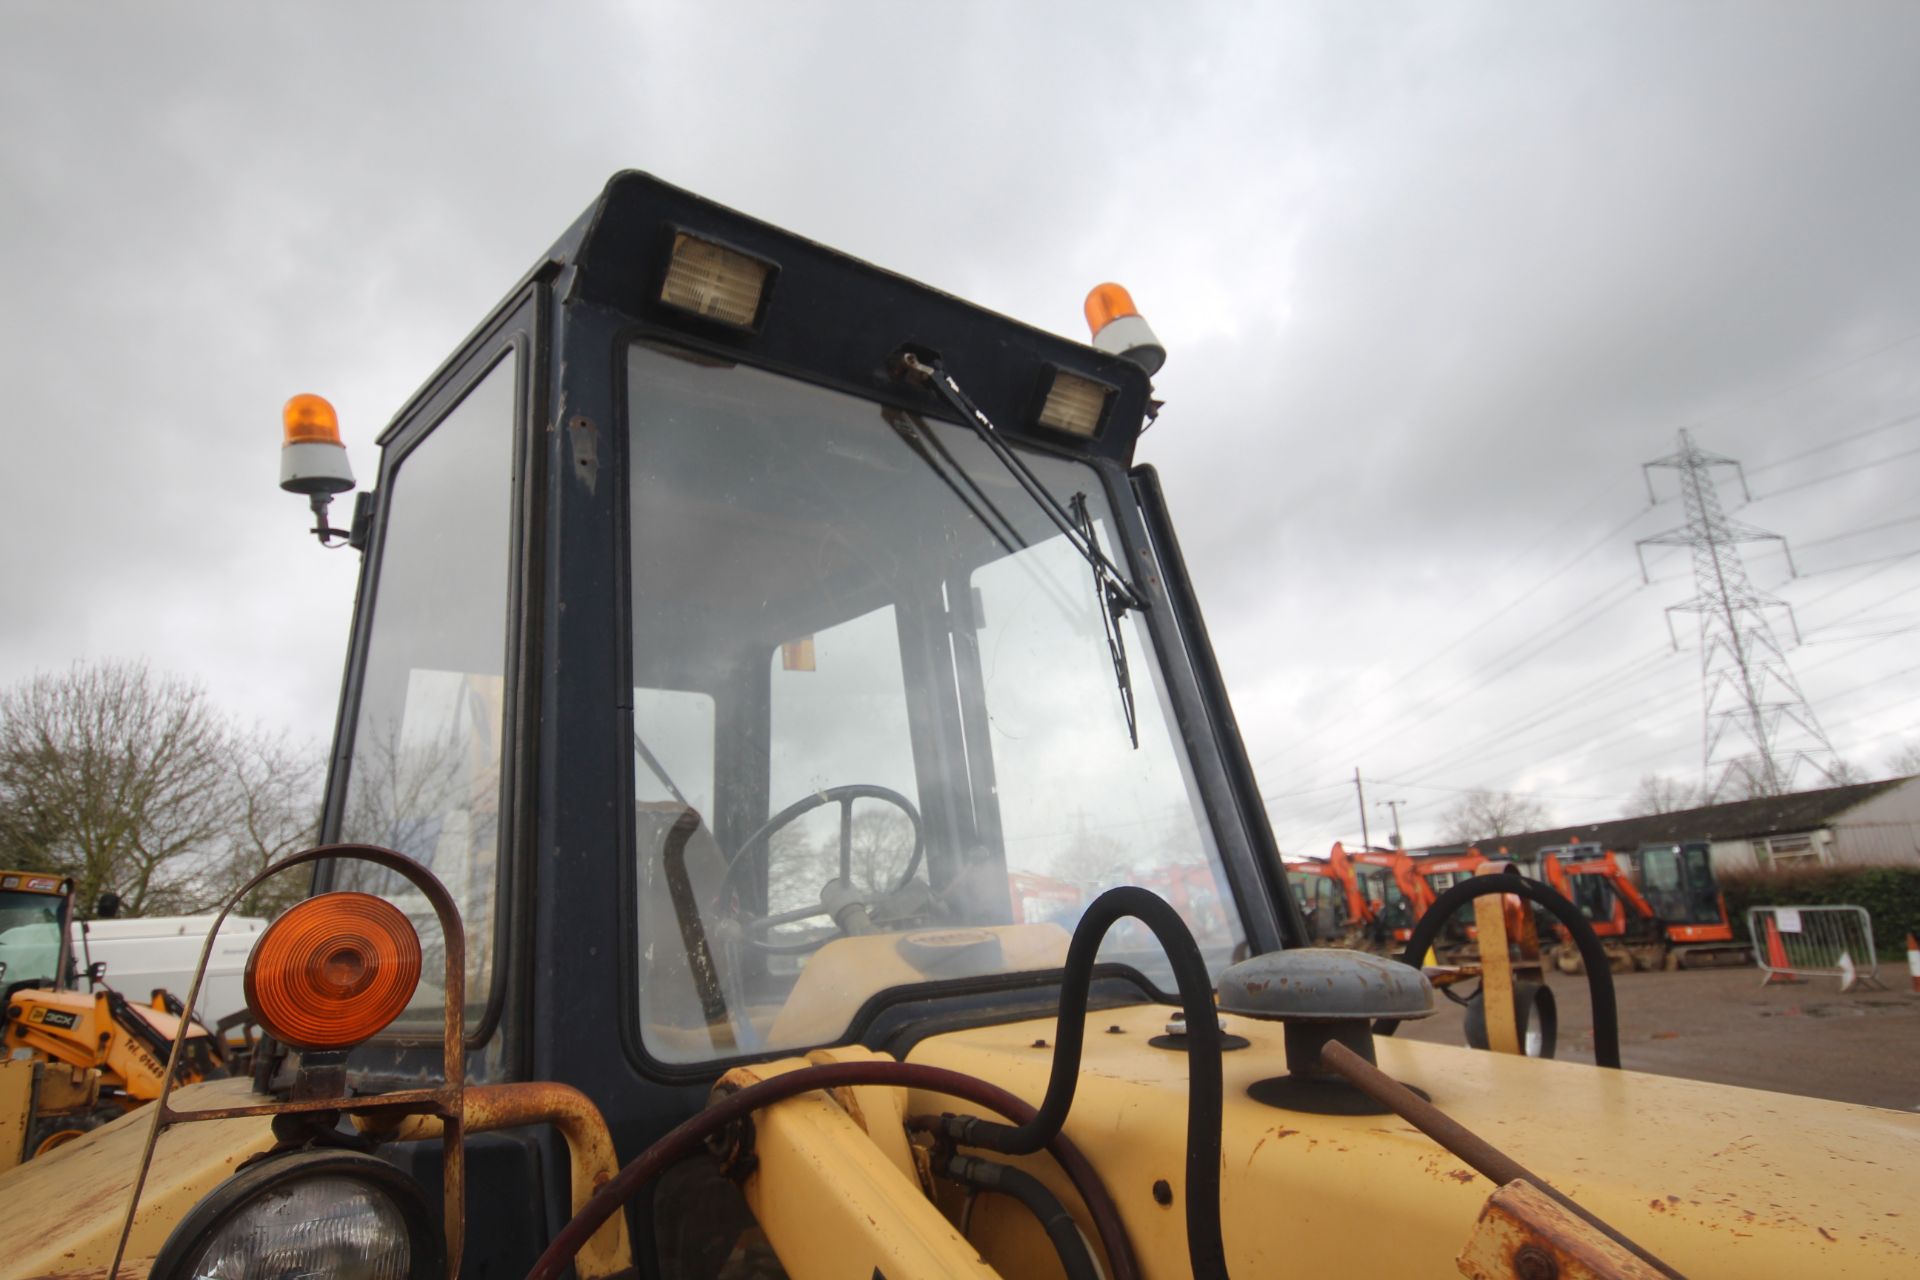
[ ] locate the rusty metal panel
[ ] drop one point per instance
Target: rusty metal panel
(1713, 1179)
(16, 1109)
(1524, 1234)
(77, 1194)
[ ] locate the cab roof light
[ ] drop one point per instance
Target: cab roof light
(1119, 330)
(714, 281)
(333, 971)
(311, 420)
(1075, 404)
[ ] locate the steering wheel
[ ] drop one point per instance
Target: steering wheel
(757, 929)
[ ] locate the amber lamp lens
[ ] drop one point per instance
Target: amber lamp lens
(333, 971)
(311, 420)
(1107, 303)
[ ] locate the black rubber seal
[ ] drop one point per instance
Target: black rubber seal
(1606, 1009)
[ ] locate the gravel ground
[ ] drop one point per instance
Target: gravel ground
(1723, 1025)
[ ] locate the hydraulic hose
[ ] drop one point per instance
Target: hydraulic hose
(988, 1175)
(1205, 1250)
(1606, 1011)
(688, 1137)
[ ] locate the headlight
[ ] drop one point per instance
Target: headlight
(324, 1215)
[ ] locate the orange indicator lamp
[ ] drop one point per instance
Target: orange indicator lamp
(333, 971)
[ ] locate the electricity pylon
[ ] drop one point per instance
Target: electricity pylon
(1745, 681)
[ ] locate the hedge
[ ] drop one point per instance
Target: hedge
(1891, 896)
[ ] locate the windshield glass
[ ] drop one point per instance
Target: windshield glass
(878, 739)
(29, 937)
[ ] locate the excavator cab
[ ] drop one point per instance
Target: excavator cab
(1678, 882)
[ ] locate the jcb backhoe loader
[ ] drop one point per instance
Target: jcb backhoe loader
(73, 1059)
(736, 621)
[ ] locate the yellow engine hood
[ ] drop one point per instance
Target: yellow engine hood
(1714, 1179)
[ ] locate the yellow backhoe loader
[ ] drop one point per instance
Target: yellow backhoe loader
(743, 631)
(71, 1060)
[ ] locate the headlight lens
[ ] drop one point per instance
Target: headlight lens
(307, 1215)
(325, 1226)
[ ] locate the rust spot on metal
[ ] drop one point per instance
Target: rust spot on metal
(1461, 1175)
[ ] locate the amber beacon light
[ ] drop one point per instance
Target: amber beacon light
(333, 971)
(1119, 329)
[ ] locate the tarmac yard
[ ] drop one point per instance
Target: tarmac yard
(1721, 1025)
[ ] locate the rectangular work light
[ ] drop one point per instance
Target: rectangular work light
(1074, 404)
(714, 281)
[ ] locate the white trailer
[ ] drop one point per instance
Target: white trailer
(146, 953)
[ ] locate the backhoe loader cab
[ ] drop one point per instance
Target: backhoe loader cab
(35, 911)
(779, 742)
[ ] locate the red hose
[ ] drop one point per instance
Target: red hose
(684, 1139)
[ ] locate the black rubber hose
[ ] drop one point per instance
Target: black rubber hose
(688, 1136)
(1205, 1250)
(1606, 1010)
(988, 1175)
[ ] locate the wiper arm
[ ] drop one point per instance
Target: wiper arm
(1112, 609)
(1109, 576)
(1114, 594)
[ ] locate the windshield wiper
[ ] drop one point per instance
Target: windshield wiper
(1114, 594)
(1112, 609)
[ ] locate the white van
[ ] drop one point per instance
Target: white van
(162, 951)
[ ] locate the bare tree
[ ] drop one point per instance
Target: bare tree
(132, 781)
(1905, 760)
(1489, 815)
(1658, 793)
(277, 794)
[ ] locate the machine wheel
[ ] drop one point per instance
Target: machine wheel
(1567, 961)
(49, 1132)
(1535, 1014)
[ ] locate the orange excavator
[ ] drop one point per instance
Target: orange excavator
(1328, 892)
(1658, 908)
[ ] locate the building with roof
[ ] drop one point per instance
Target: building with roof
(1862, 824)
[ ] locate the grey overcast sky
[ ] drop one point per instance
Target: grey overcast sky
(1436, 280)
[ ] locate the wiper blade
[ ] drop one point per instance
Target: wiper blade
(1111, 609)
(1112, 581)
(1114, 594)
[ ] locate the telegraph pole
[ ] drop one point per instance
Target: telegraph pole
(1393, 807)
(1360, 791)
(1745, 680)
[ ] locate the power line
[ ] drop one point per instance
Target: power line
(1809, 379)
(1888, 425)
(1865, 529)
(1588, 731)
(1836, 475)
(1476, 629)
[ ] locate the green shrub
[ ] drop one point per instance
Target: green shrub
(1891, 896)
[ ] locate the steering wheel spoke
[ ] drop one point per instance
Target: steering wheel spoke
(757, 929)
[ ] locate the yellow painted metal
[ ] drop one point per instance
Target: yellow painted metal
(1496, 974)
(76, 1195)
(833, 1204)
(846, 974)
(1715, 1180)
(16, 1109)
(1523, 1231)
(78, 1028)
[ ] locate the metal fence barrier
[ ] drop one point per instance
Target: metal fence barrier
(1823, 941)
